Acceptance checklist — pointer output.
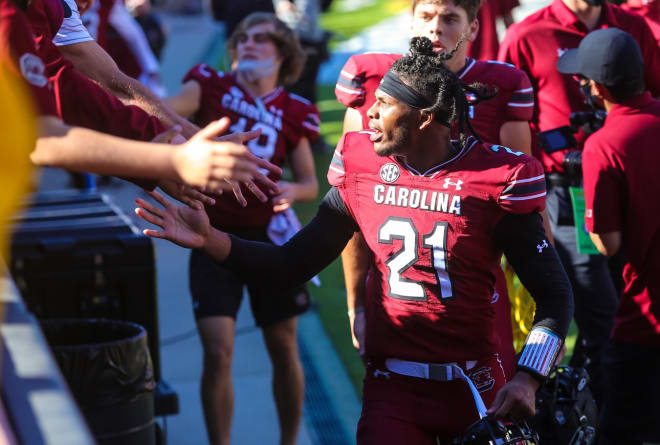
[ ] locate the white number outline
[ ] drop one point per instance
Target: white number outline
(396, 283)
(436, 241)
(265, 151)
(438, 249)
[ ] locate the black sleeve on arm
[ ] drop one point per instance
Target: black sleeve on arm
(524, 242)
(279, 268)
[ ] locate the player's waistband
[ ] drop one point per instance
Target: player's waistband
(441, 372)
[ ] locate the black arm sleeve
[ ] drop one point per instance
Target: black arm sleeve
(279, 268)
(523, 240)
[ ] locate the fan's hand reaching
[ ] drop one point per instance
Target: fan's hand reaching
(182, 225)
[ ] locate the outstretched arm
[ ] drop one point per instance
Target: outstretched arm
(201, 161)
(92, 61)
(261, 264)
(525, 244)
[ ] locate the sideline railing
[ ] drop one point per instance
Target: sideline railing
(35, 396)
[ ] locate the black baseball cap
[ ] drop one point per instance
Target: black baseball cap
(608, 56)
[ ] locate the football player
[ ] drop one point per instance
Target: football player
(501, 120)
(266, 55)
(436, 216)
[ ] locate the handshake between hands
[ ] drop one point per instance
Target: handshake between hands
(211, 163)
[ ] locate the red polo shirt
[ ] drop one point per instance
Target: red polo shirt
(535, 44)
(622, 190)
(486, 44)
(650, 10)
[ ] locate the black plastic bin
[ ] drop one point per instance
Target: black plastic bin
(108, 368)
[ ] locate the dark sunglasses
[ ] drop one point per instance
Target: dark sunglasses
(259, 37)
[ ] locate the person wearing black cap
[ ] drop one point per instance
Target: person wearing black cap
(621, 187)
(534, 45)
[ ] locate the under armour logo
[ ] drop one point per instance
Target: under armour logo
(378, 372)
(456, 184)
(542, 246)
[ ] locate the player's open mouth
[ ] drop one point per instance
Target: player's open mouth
(437, 46)
(375, 135)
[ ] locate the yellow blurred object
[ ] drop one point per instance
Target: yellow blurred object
(522, 306)
(18, 132)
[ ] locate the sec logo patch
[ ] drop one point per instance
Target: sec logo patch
(32, 69)
(389, 172)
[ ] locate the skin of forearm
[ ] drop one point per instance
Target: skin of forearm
(132, 92)
(217, 244)
(305, 189)
(80, 149)
(355, 261)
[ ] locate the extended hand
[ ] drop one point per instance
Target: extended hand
(205, 162)
(515, 400)
(284, 199)
(190, 196)
(180, 224)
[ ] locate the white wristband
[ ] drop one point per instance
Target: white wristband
(540, 351)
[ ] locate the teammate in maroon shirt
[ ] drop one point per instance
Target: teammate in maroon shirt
(650, 10)
(267, 56)
(534, 45)
(621, 187)
(502, 119)
(199, 162)
(486, 43)
(436, 215)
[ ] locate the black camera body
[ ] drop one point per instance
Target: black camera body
(563, 138)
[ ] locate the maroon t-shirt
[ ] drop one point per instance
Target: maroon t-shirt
(514, 101)
(17, 46)
(535, 44)
(429, 294)
(283, 118)
(622, 191)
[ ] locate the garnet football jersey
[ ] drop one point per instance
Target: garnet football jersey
(46, 17)
(283, 119)
(431, 233)
(359, 78)
(514, 100)
(17, 46)
(79, 100)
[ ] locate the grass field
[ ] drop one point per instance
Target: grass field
(345, 22)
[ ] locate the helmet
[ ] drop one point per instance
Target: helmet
(566, 413)
(489, 431)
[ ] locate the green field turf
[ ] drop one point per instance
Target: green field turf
(330, 298)
(345, 24)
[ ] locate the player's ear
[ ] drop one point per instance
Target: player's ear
(473, 30)
(425, 120)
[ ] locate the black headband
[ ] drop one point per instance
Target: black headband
(393, 86)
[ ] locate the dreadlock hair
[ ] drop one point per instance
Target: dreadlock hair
(425, 71)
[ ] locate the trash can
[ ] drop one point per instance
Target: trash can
(109, 371)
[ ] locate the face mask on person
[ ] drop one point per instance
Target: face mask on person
(253, 70)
